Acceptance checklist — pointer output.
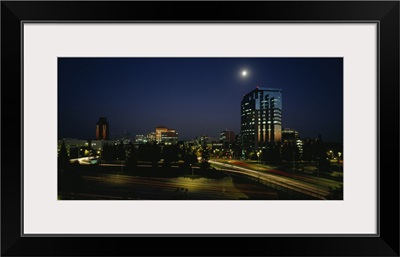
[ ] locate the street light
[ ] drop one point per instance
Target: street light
(259, 162)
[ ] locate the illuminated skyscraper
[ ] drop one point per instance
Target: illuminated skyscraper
(102, 129)
(261, 120)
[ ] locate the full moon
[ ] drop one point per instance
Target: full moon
(244, 73)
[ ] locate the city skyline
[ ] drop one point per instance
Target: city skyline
(196, 96)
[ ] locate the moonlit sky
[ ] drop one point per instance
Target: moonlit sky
(195, 96)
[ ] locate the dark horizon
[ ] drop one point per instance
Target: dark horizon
(195, 96)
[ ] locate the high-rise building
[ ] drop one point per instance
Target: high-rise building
(102, 129)
(261, 118)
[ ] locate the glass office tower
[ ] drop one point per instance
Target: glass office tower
(261, 120)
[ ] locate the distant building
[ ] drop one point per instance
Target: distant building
(159, 130)
(299, 144)
(72, 143)
(99, 144)
(169, 137)
(227, 136)
(102, 129)
(141, 139)
(151, 137)
(166, 135)
(289, 135)
(261, 118)
(292, 136)
(207, 140)
(76, 147)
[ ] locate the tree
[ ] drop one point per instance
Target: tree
(149, 152)
(189, 158)
(308, 150)
(272, 154)
(121, 154)
(131, 162)
(335, 193)
(205, 154)
(205, 165)
(170, 154)
(63, 158)
(108, 153)
(320, 154)
(253, 156)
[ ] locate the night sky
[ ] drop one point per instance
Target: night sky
(195, 96)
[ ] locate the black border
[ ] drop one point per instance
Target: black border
(386, 14)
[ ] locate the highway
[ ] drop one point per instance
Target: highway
(84, 160)
(312, 187)
(283, 181)
(128, 187)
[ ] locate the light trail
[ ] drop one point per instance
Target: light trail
(280, 181)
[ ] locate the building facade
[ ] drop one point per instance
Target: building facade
(227, 136)
(141, 139)
(289, 134)
(151, 137)
(102, 129)
(166, 135)
(159, 131)
(261, 118)
(169, 137)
